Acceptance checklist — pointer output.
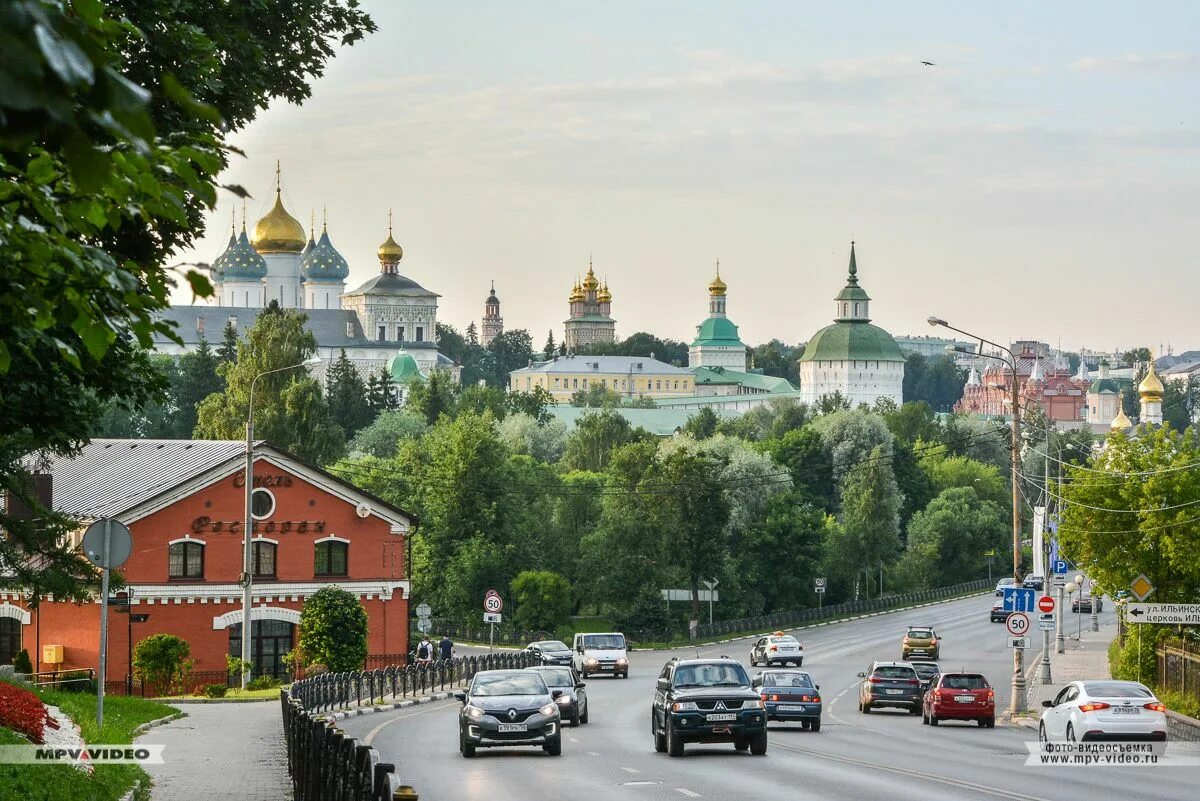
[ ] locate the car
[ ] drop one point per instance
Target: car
(790, 695)
(959, 696)
(1034, 582)
(999, 613)
(777, 649)
(920, 641)
(1084, 605)
(893, 684)
(508, 708)
(601, 653)
(925, 672)
(707, 701)
(550, 652)
(1007, 581)
(572, 702)
(1086, 711)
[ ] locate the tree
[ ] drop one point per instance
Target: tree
(382, 438)
(777, 359)
(595, 436)
(155, 419)
(381, 392)
(702, 424)
(434, 397)
(472, 334)
(163, 661)
(451, 344)
(535, 403)
(542, 599)
(198, 378)
(774, 561)
(346, 395)
(913, 422)
(522, 434)
(948, 539)
(511, 350)
(597, 396)
(949, 472)
(549, 349)
(229, 343)
(479, 399)
(333, 630)
(802, 452)
(289, 408)
(870, 516)
(938, 381)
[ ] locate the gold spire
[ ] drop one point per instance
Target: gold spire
(278, 231)
(589, 282)
(1151, 389)
(1121, 422)
(576, 292)
(717, 287)
(604, 296)
(390, 251)
(325, 219)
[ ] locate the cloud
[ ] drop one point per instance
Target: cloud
(1138, 62)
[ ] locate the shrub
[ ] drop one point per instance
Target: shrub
(315, 669)
(22, 711)
(215, 690)
(543, 600)
(162, 661)
(333, 629)
(22, 663)
(235, 666)
(262, 683)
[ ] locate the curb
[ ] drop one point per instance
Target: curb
(370, 710)
(132, 792)
(216, 700)
(145, 727)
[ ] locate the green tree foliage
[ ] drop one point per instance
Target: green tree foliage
(913, 422)
(451, 344)
(549, 349)
(1181, 403)
(774, 560)
(289, 409)
(522, 434)
(198, 378)
(536, 403)
(22, 663)
(802, 452)
(777, 359)
(948, 539)
(333, 629)
(702, 424)
(382, 395)
(164, 662)
(346, 395)
(434, 397)
(641, 343)
(542, 599)
(480, 399)
(938, 382)
(596, 396)
(949, 472)
(510, 351)
(383, 437)
(869, 522)
(594, 438)
(227, 352)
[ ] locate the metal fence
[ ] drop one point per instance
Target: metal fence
(777, 620)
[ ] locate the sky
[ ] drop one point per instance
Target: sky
(1041, 181)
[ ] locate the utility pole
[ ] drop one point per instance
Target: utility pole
(1046, 549)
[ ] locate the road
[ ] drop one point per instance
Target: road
(887, 754)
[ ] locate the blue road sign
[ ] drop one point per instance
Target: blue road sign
(1019, 599)
(1061, 566)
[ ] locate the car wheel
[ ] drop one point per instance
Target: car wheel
(1070, 729)
(924, 717)
(799, 662)
(660, 738)
(1042, 736)
(991, 722)
(553, 748)
(467, 749)
(574, 718)
(583, 718)
(864, 708)
(753, 661)
(674, 744)
(814, 726)
(738, 745)
(933, 719)
(758, 744)
(916, 710)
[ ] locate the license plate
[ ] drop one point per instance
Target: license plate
(505, 728)
(790, 708)
(1127, 710)
(965, 699)
(894, 692)
(721, 716)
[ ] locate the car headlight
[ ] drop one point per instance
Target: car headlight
(684, 706)
(562, 699)
(548, 709)
(755, 704)
(591, 661)
(620, 661)
(474, 712)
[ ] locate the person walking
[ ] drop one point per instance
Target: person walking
(424, 651)
(446, 648)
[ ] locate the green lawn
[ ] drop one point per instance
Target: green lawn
(233, 693)
(65, 783)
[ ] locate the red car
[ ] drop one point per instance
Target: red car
(959, 696)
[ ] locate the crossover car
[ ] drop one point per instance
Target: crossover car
(1104, 710)
(572, 701)
(920, 641)
(550, 652)
(925, 672)
(1007, 581)
(889, 684)
(959, 696)
(1034, 582)
(707, 701)
(999, 613)
(790, 695)
(507, 708)
(777, 649)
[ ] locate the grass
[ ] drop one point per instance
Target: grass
(1178, 702)
(231, 693)
(65, 783)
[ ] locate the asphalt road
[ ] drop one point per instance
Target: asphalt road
(887, 754)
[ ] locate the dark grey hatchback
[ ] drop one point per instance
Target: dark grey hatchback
(508, 708)
(893, 684)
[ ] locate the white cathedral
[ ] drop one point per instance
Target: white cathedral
(388, 318)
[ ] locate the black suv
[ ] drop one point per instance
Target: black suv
(707, 701)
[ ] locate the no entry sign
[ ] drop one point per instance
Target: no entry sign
(1046, 604)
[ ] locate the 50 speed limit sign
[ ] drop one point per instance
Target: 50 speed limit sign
(492, 603)
(1018, 624)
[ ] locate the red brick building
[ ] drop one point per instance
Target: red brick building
(1041, 381)
(184, 504)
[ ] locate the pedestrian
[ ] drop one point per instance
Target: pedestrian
(446, 646)
(424, 651)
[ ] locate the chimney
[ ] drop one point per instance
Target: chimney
(349, 329)
(233, 322)
(41, 487)
(200, 325)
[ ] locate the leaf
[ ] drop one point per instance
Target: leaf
(88, 10)
(238, 190)
(179, 94)
(5, 358)
(201, 286)
(89, 166)
(64, 57)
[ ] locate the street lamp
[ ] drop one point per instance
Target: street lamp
(1071, 588)
(1017, 703)
(248, 525)
(1078, 617)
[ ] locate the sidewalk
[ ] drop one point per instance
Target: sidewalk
(1082, 659)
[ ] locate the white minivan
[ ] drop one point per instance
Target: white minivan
(600, 653)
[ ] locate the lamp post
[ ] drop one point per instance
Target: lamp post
(1078, 617)
(248, 524)
(1070, 588)
(1017, 703)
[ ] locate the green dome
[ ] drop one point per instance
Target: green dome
(403, 369)
(717, 331)
(242, 262)
(851, 341)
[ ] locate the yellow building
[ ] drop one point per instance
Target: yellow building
(631, 376)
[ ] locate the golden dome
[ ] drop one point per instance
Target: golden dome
(1121, 422)
(589, 282)
(1151, 388)
(717, 287)
(604, 296)
(390, 251)
(576, 292)
(278, 231)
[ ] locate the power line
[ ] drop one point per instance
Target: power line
(1105, 509)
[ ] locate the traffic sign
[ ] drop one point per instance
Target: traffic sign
(1018, 642)
(1165, 614)
(819, 583)
(1141, 587)
(493, 603)
(1060, 567)
(424, 625)
(424, 610)
(1060, 579)
(820, 589)
(492, 617)
(1018, 599)
(120, 543)
(1046, 621)
(1017, 624)
(1045, 604)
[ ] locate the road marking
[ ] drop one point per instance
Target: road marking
(590, 753)
(630, 770)
(420, 711)
(688, 793)
(572, 739)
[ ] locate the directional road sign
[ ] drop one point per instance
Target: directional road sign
(1018, 599)
(1046, 621)
(1167, 614)
(1017, 624)
(1141, 587)
(1018, 642)
(492, 617)
(1045, 604)
(493, 603)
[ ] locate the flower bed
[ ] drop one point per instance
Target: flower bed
(24, 712)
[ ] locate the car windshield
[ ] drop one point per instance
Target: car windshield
(557, 678)
(550, 645)
(787, 680)
(1111, 689)
(787, 639)
(605, 642)
(894, 672)
(517, 683)
(964, 681)
(1004, 582)
(721, 675)
(925, 669)
(920, 634)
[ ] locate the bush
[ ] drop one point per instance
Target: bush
(316, 669)
(333, 629)
(24, 712)
(565, 633)
(1138, 650)
(163, 661)
(543, 600)
(215, 690)
(263, 683)
(22, 663)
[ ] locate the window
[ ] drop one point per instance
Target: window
(420, 334)
(10, 639)
(262, 503)
(264, 559)
(399, 333)
(185, 560)
(382, 333)
(330, 558)
(855, 309)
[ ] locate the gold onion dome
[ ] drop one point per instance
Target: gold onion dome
(589, 282)
(717, 286)
(576, 292)
(390, 251)
(604, 296)
(1151, 388)
(278, 231)
(1121, 422)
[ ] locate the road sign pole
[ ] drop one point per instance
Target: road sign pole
(103, 626)
(1059, 644)
(491, 637)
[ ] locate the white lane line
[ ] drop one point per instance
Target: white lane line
(421, 710)
(572, 739)
(630, 770)
(688, 793)
(590, 753)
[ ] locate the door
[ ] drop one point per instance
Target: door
(272, 639)
(10, 639)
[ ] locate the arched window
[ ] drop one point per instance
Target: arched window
(185, 560)
(330, 558)
(10, 639)
(856, 309)
(264, 558)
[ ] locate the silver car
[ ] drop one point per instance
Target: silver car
(777, 649)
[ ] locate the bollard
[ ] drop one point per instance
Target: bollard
(405, 793)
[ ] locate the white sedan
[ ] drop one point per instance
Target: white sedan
(1103, 710)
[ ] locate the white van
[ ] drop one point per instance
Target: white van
(601, 653)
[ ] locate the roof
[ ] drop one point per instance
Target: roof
(611, 365)
(717, 331)
(846, 340)
(392, 284)
(660, 422)
(725, 376)
(1114, 386)
(1181, 368)
(590, 318)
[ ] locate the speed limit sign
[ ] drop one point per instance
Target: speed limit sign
(1018, 624)
(492, 603)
